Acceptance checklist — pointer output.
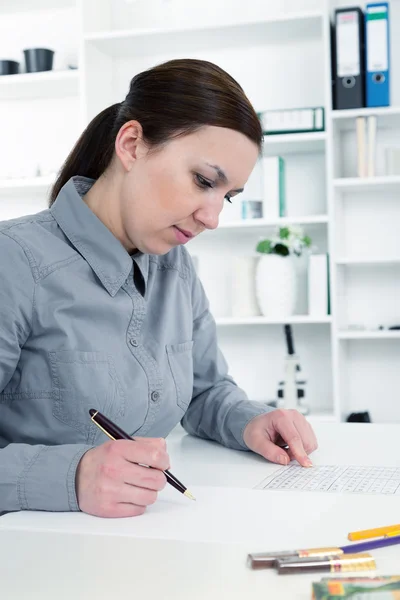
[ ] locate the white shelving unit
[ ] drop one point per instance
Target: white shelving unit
(369, 335)
(48, 84)
(293, 320)
(372, 184)
(27, 185)
(266, 223)
(281, 57)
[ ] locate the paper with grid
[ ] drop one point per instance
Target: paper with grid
(335, 478)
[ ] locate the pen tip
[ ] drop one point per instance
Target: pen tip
(189, 495)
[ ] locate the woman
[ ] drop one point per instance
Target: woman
(100, 305)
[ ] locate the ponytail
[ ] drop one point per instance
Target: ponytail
(92, 152)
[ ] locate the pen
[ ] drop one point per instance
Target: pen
(116, 433)
(371, 533)
(269, 560)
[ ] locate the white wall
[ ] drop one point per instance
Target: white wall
(278, 66)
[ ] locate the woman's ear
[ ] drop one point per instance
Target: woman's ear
(129, 144)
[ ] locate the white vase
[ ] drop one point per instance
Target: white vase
(244, 301)
(276, 285)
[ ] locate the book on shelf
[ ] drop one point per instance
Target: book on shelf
(294, 120)
(273, 187)
(318, 285)
(366, 133)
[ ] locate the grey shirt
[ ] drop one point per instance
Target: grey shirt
(85, 325)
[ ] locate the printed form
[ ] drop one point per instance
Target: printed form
(334, 478)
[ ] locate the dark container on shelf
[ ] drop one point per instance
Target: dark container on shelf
(38, 59)
(9, 67)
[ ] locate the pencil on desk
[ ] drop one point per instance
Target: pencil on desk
(268, 560)
(372, 533)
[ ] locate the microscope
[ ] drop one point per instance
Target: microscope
(291, 391)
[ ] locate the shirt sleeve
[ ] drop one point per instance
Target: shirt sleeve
(31, 477)
(219, 409)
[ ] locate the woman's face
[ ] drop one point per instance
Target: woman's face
(169, 196)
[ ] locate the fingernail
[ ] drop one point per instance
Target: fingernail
(308, 463)
(283, 460)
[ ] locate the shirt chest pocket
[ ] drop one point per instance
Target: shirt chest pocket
(180, 360)
(84, 380)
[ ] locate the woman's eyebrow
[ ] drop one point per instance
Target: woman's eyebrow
(222, 177)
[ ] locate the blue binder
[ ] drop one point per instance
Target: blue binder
(377, 54)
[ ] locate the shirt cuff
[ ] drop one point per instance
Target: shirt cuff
(48, 481)
(240, 416)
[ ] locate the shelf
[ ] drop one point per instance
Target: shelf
(363, 184)
(388, 116)
(142, 42)
(47, 84)
(294, 143)
(29, 185)
(292, 319)
(282, 222)
(15, 6)
(363, 260)
(369, 335)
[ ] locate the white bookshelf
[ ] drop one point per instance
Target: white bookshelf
(294, 143)
(370, 335)
(368, 184)
(26, 185)
(368, 260)
(267, 223)
(293, 320)
(387, 115)
(48, 84)
(280, 54)
(124, 42)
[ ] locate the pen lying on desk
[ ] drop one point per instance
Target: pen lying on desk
(269, 560)
(116, 433)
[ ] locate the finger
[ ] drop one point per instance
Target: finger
(307, 434)
(140, 453)
(262, 444)
(158, 442)
(151, 479)
(291, 435)
(124, 509)
(133, 494)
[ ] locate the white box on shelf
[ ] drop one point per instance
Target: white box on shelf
(273, 186)
(318, 285)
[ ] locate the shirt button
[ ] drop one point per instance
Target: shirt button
(133, 342)
(155, 396)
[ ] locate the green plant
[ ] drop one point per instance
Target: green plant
(287, 240)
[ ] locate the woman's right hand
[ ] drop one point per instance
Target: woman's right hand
(111, 483)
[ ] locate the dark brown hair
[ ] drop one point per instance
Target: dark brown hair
(172, 99)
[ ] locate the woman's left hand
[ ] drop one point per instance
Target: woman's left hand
(266, 434)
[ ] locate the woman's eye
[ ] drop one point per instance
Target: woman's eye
(203, 182)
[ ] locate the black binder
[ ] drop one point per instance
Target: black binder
(349, 63)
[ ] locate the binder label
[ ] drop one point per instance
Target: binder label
(348, 54)
(377, 52)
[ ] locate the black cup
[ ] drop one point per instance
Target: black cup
(38, 59)
(9, 67)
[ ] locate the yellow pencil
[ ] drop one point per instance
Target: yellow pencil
(372, 533)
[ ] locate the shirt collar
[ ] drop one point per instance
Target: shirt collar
(94, 241)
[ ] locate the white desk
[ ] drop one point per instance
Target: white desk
(72, 556)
